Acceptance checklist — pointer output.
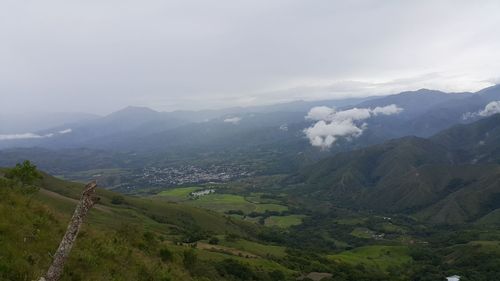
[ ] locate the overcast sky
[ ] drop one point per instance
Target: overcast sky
(99, 56)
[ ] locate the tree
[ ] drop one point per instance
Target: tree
(26, 173)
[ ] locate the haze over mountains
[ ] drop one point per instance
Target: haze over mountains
(273, 140)
(250, 140)
(424, 113)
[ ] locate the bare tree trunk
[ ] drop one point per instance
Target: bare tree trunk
(86, 202)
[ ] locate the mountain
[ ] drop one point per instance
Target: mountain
(477, 142)
(427, 112)
(120, 125)
(416, 102)
(453, 177)
(448, 113)
(31, 122)
(130, 125)
(162, 138)
(268, 139)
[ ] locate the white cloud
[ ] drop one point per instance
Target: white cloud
(387, 110)
(490, 109)
(24, 136)
(347, 123)
(320, 113)
(32, 135)
(233, 120)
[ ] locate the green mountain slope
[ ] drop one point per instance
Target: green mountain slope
(453, 177)
(124, 238)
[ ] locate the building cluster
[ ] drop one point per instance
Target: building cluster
(190, 174)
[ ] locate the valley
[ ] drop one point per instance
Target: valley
(250, 140)
(253, 201)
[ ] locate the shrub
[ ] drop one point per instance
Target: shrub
(214, 241)
(26, 173)
(189, 259)
(117, 200)
(166, 254)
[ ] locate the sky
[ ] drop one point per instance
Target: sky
(100, 56)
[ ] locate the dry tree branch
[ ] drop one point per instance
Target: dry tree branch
(86, 202)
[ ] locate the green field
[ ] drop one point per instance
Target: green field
(227, 202)
(351, 221)
(381, 257)
(270, 207)
(284, 221)
(257, 198)
(219, 202)
(256, 248)
(362, 232)
(181, 193)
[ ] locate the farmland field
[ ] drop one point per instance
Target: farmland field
(181, 193)
(256, 248)
(284, 221)
(381, 257)
(219, 201)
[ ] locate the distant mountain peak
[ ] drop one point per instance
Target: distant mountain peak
(495, 87)
(134, 110)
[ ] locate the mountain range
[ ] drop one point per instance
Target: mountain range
(276, 130)
(451, 177)
(437, 159)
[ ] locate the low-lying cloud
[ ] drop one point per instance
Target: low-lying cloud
(490, 109)
(233, 120)
(25, 136)
(332, 124)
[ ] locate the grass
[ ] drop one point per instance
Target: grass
(256, 197)
(102, 175)
(492, 218)
(382, 257)
(258, 249)
(153, 213)
(284, 221)
(362, 232)
(351, 221)
(221, 202)
(182, 192)
(112, 244)
(388, 227)
(31, 227)
(260, 263)
(227, 202)
(270, 207)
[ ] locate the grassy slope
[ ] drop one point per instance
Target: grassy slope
(284, 221)
(31, 229)
(218, 202)
(382, 257)
(156, 212)
(116, 242)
